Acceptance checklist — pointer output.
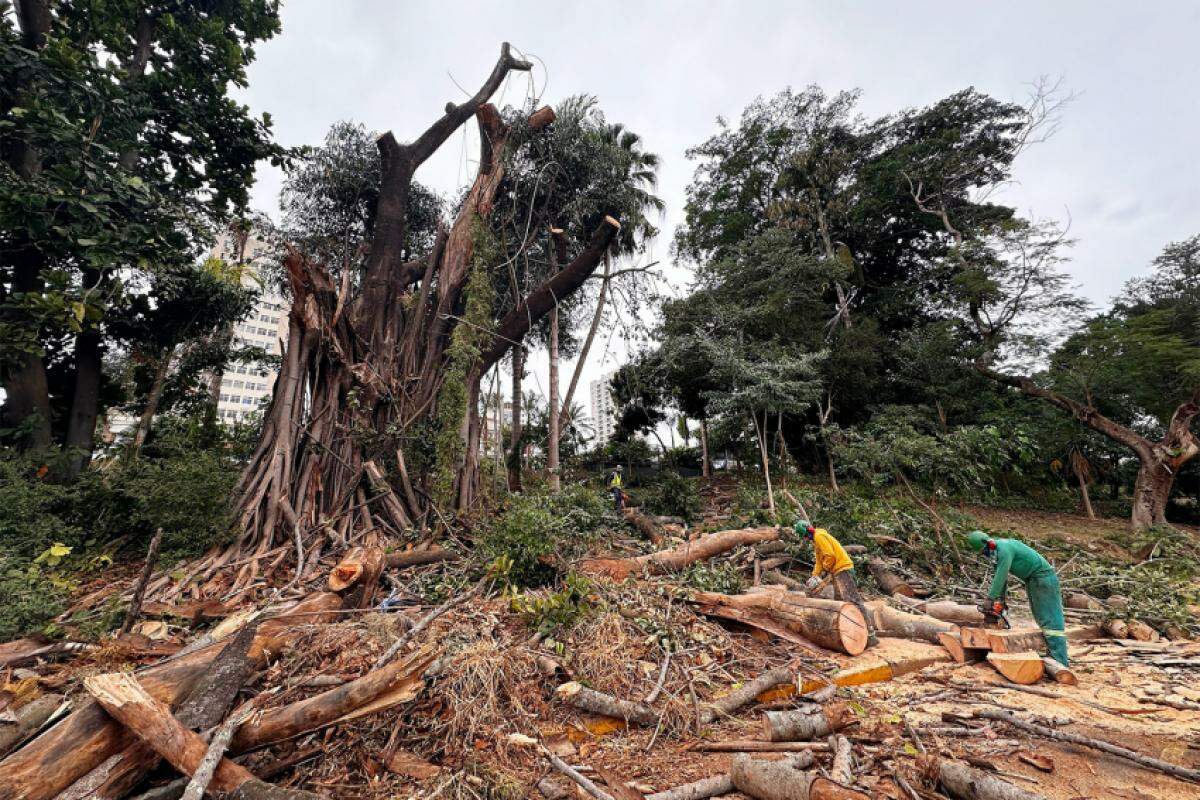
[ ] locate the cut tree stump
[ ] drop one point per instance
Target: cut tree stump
(833, 624)
(977, 638)
(676, 559)
(1059, 673)
(806, 724)
(889, 581)
(967, 783)
(645, 526)
(126, 701)
(88, 736)
(1021, 668)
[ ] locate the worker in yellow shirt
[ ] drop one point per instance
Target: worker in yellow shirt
(831, 561)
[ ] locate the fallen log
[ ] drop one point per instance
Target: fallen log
(417, 558)
(1096, 744)
(1080, 600)
(1021, 639)
(806, 724)
(763, 621)
(126, 701)
(953, 643)
(30, 717)
(778, 780)
(775, 576)
(901, 624)
(833, 624)
(723, 706)
(1059, 673)
(206, 705)
(1020, 668)
(968, 783)
(379, 689)
(203, 775)
(87, 737)
(645, 526)
(950, 611)
(889, 582)
(676, 559)
(1116, 628)
(1142, 632)
(585, 699)
(721, 784)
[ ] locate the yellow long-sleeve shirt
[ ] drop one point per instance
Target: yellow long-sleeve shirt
(829, 556)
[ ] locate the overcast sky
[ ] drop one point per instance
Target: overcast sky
(1123, 166)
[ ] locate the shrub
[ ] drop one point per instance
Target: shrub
(671, 495)
(549, 612)
(538, 532)
(722, 577)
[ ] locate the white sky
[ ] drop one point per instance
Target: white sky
(1122, 167)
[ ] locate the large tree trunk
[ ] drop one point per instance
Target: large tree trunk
(565, 417)
(552, 454)
(705, 461)
(1160, 461)
(85, 399)
(393, 369)
(514, 439)
(761, 434)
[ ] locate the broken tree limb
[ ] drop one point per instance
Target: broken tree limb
(842, 769)
(723, 706)
(216, 751)
(698, 790)
(126, 701)
(30, 717)
(968, 783)
(581, 697)
(139, 592)
(676, 559)
(832, 624)
(373, 692)
(1021, 668)
(416, 558)
(645, 526)
(1059, 673)
(580, 780)
(1096, 744)
(889, 581)
(806, 724)
(87, 737)
(758, 746)
(779, 780)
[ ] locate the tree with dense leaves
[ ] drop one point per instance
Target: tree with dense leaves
(120, 147)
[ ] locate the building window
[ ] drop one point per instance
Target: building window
(247, 401)
(224, 398)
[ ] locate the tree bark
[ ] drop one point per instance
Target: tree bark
(515, 456)
(676, 559)
(1083, 492)
(832, 624)
(806, 724)
(85, 400)
(579, 696)
(761, 435)
(893, 622)
(565, 418)
(705, 461)
(888, 581)
(971, 784)
(139, 591)
(30, 717)
(142, 429)
(552, 454)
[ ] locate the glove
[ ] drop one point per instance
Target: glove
(812, 583)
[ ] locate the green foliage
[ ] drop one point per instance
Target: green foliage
(721, 577)
(28, 601)
(551, 612)
(966, 459)
(670, 494)
(537, 533)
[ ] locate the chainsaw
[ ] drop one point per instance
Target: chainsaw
(995, 614)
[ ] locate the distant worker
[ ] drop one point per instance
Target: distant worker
(830, 559)
(615, 485)
(1041, 584)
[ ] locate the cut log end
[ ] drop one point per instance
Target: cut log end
(1021, 668)
(611, 221)
(852, 627)
(1059, 673)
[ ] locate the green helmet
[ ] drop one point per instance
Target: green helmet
(803, 527)
(977, 540)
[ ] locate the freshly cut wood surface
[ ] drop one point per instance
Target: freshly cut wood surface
(832, 624)
(1023, 668)
(1059, 673)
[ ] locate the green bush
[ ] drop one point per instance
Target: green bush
(550, 612)
(670, 495)
(538, 532)
(28, 600)
(721, 577)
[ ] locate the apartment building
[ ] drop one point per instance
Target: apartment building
(604, 413)
(245, 387)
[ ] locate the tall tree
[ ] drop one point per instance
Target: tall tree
(120, 147)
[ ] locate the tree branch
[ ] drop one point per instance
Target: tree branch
(539, 302)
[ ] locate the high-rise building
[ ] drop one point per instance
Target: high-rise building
(604, 413)
(245, 387)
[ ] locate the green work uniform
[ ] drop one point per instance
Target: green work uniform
(1041, 584)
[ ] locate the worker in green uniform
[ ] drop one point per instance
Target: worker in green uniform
(615, 486)
(1041, 584)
